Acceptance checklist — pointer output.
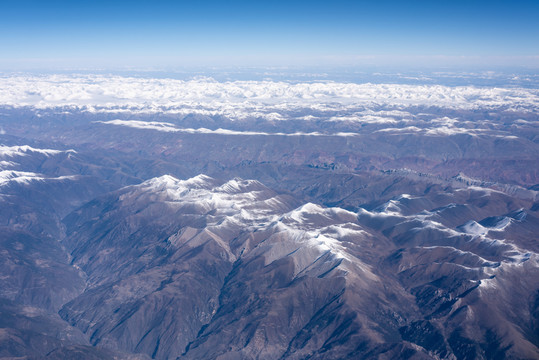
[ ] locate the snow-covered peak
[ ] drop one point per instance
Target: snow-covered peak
(300, 214)
(312, 234)
(498, 223)
(169, 182)
(238, 185)
(236, 201)
(178, 187)
(312, 215)
(474, 228)
(200, 180)
(389, 207)
(404, 197)
(161, 182)
(240, 204)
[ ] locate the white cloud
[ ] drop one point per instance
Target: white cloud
(387, 106)
(244, 99)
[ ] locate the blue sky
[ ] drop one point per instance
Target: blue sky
(83, 33)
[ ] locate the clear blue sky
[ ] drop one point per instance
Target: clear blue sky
(167, 33)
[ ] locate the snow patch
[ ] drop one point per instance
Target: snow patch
(21, 177)
(147, 125)
(6, 164)
(24, 150)
(474, 228)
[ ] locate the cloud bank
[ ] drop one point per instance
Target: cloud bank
(244, 99)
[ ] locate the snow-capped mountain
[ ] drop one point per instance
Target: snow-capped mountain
(226, 264)
(167, 219)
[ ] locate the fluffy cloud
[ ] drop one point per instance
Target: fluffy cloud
(325, 108)
(239, 99)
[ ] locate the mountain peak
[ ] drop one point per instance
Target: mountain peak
(238, 185)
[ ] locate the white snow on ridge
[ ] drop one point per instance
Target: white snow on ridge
(309, 231)
(241, 201)
(501, 224)
(25, 177)
(307, 224)
(153, 94)
(524, 261)
(443, 130)
(22, 177)
(176, 187)
(369, 119)
(303, 215)
(313, 240)
(6, 164)
(169, 127)
(451, 130)
(11, 151)
(151, 125)
(403, 130)
(474, 228)
(237, 185)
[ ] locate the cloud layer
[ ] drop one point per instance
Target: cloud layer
(262, 108)
(240, 99)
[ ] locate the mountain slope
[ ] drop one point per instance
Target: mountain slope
(202, 268)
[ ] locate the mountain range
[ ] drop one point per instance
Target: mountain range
(408, 231)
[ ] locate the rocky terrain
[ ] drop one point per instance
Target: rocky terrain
(145, 218)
